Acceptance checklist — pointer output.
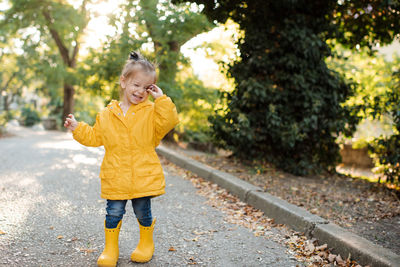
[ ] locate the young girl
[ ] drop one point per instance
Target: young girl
(129, 131)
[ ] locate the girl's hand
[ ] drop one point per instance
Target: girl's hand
(70, 122)
(155, 91)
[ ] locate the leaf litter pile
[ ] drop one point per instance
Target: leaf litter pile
(368, 209)
(237, 212)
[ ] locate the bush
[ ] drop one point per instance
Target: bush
(195, 106)
(386, 150)
(29, 116)
(287, 106)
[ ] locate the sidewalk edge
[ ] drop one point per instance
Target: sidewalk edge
(337, 238)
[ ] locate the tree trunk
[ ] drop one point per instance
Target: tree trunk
(68, 100)
(5, 103)
(69, 60)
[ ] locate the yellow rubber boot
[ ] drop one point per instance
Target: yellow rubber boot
(110, 254)
(145, 249)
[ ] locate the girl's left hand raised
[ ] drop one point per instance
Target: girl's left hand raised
(155, 91)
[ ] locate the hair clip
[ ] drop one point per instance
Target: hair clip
(134, 56)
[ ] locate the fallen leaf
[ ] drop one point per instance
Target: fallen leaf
(87, 250)
(199, 233)
(331, 258)
(171, 249)
(2, 233)
(60, 237)
(239, 213)
(192, 261)
(322, 247)
(310, 247)
(340, 260)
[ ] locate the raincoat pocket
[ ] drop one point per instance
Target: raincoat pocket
(107, 180)
(149, 175)
(107, 173)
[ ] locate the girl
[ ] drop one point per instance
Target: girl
(129, 131)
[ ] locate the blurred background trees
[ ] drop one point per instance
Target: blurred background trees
(294, 80)
(47, 26)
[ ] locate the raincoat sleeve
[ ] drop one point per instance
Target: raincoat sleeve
(166, 116)
(88, 135)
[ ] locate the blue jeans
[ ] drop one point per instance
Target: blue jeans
(116, 210)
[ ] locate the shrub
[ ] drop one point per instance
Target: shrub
(287, 106)
(386, 150)
(29, 116)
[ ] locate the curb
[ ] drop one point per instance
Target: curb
(340, 240)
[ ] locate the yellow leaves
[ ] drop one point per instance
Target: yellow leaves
(2, 233)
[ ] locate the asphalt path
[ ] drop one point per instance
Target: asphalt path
(51, 213)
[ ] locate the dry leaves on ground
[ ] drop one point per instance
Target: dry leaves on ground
(342, 200)
(240, 213)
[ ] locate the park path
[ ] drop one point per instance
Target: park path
(51, 213)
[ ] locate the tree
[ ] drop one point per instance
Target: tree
(14, 72)
(365, 23)
(369, 24)
(287, 106)
(57, 24)
(156, 28)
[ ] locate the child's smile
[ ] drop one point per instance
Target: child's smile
(135, 88)
(137, 97)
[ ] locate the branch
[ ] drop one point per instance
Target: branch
(56, 37)
(8, 82)
(76, 48)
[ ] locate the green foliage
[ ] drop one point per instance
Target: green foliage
(371, 75)
(376, 98)
(3, 122)
(386, 150)
(287, 105)
(29, 116)
(365, 23)
(87, 107)
(158, 24)
(50, 33)
(195, 106)
(387, 153)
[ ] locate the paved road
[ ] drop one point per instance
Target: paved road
(51, 213)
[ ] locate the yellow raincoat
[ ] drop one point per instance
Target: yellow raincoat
(130, 168)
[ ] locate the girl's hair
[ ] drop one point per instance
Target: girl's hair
(136, 62)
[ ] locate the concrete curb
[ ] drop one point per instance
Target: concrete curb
(340, 240)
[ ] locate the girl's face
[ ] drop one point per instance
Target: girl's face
(135, 87)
